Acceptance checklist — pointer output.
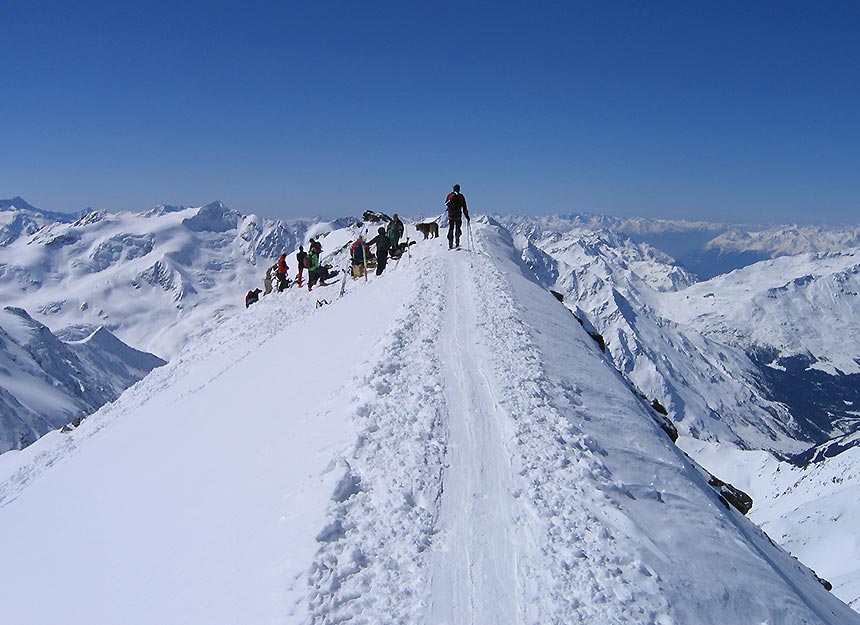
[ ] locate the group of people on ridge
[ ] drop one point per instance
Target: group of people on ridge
(387, 242)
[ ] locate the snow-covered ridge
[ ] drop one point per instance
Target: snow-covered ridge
(374, 460)
(762, 358)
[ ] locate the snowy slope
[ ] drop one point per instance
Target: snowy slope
(18, 218)
(442, 444)
(156, 279)
(711, 390)
(798, 305)
(809, 510)
(46, 382)
(761, 359)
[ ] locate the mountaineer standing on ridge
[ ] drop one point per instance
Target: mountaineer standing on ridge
(300, 257)
(456, 203)
(383, 244)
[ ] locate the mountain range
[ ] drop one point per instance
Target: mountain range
(755, 367)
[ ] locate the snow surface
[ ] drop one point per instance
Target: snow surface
(46, 382)
(442, 444)
(811, 511)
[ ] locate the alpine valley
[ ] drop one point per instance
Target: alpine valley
(558, 423)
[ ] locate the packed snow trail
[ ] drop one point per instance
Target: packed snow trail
(474, 577)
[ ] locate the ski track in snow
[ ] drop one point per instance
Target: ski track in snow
(483, 481)
(582, 576)
(475, 565)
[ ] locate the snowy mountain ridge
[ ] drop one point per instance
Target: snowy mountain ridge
(532, 485)
(154, 278)
(737, 360)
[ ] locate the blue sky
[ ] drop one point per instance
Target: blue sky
(708, 110)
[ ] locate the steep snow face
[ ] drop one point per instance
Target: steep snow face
(762, 358)
(712, 390)
(45, 382)
(155, 279)
(809, 510)
(440, 444)
(797, 316)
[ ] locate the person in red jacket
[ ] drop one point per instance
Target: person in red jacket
(456, 204)
(282, 273)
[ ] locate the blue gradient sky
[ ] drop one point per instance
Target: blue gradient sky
(718, 110)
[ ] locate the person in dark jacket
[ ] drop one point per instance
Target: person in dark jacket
(300, 257)
(456, 203)
(395, 231)
(383, 243)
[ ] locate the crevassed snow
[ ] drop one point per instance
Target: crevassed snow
(442, 444)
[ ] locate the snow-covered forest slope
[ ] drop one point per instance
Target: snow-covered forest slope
(442, 444)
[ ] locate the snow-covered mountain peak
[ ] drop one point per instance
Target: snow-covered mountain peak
(213, 217)
(16, 204)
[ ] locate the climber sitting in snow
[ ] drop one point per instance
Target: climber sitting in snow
(252, 297)
(316, 272)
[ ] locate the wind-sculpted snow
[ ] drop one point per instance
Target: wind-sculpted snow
(120, 247)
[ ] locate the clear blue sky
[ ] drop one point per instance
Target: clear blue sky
(713, 110)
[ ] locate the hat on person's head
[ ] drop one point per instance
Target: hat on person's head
(381, 230)
(456, 187)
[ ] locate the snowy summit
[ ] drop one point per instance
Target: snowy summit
(441, 444)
